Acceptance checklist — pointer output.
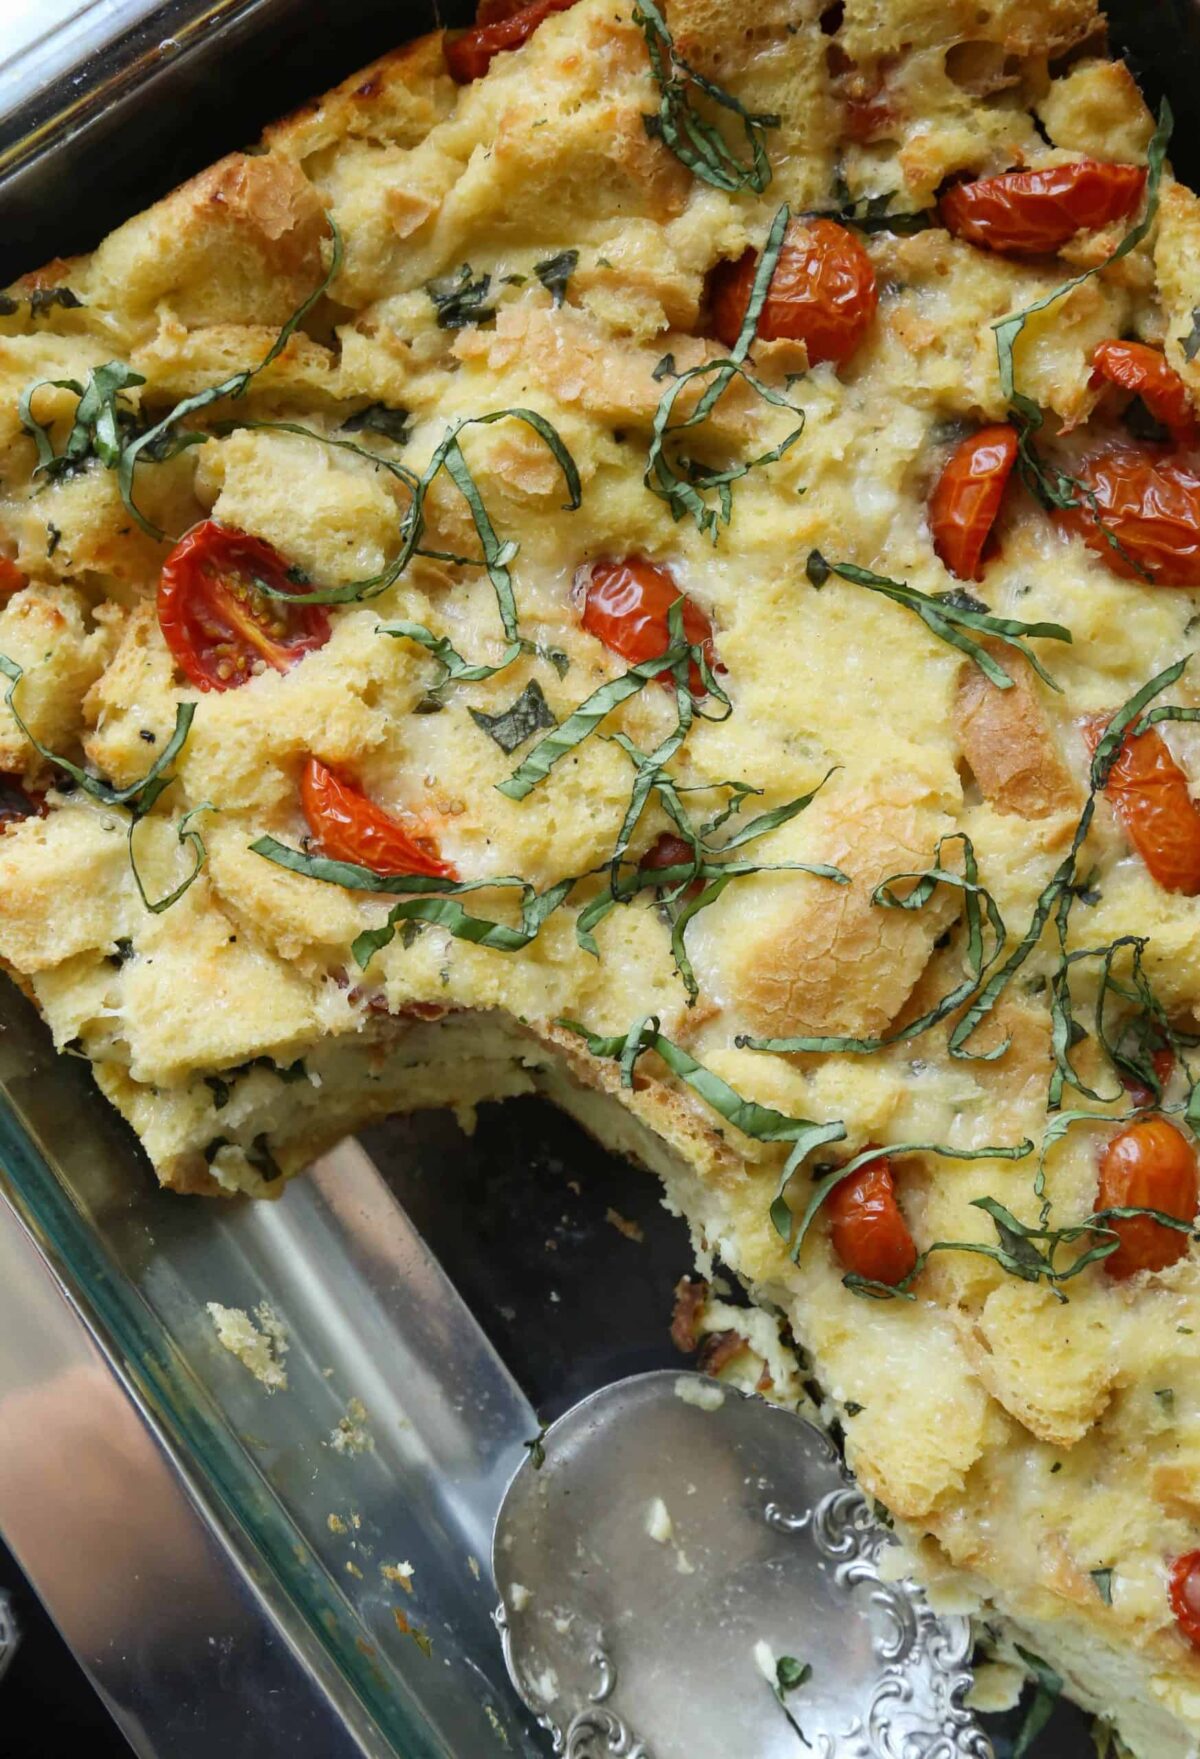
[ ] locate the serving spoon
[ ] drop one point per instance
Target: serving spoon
(687, 1572)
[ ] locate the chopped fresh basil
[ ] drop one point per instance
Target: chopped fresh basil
(875, 213)
(948, 618)
(139, 797)
(460, 300)
(455, 670)
(687, 486)
(220, 1091)
(379, 418)
(1048, 1691)
(1191, 342)
(434, 902)
(587, 717)
(1166, 1398)
(980, 909)
(1053, 486)
(752, 1119)
(53, 538)
(1103, 1580)
(555, 272)
(695, 141)
(496, 557)
(110, 430)
(43, 299)
(791, 1674)
(527, 715)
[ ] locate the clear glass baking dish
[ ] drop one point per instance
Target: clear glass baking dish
(338, 1259)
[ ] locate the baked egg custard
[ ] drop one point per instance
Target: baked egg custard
(652, 557)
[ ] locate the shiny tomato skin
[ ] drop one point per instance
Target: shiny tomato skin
(1149, 794)
(1033, 213)
(625, 606)
(348, 827)
(868, 1230)
(1184, 1595)
(219, 628)
(1150, 501)
(967, 497)
(11, 578)
(1148, 375)
(822, 293)
(668, 850)
(469, 56)
(1148, 1165)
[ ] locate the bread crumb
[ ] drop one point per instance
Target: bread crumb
(352, 1569)
(519, 1596)
(260, 1348)
(473, 1566)
(399, 1574)
(694, 1391)
(658, 1521)
(352, 1435)
(336, 1524)
(623, 1225)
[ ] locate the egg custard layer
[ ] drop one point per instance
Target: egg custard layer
(653, 560)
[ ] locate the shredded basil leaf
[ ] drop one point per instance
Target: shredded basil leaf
(1048, 1691)
(555, 272)
(948, 618)
(874, 213)
(138, 797)
(379, 418)
(1103, 1580)
(455, 670)
(696, 142)
(460, 300)
(524, 717)
(1190, 343)
(760, 1122)
(434, 900)
(687, 486)
(42, 299)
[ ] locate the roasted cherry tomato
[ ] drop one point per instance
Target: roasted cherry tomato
(468, 57)
(964, 505)
(822, 292)
(1149, 794)
(11, 578)
(1150, 502)
(1163, 1060)
(1031, 213)
(348, 827)
(869, 1233)
(218, 625)
(15, 803)
(1148, 1165)
(625, 606)
(1184, 1594)
(1145, 371)
(668, 850)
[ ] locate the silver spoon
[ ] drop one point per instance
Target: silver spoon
(688, 1573)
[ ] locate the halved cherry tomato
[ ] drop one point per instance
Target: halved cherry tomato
(1148, 1165)
(1163, 1060)
(11, 577)
(869, 1233)
(15, 803)
(822, 293)
(220, 628)
(625, 606)
(1184, 1595)
(1032, 213)
(349, 827)
(1144, 371)
(1149, 794)
(668, 850)
(1150, 502)
(966, 500)
(468, 57)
